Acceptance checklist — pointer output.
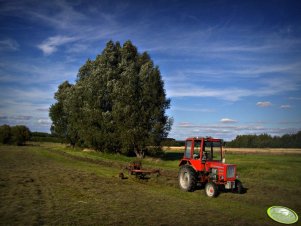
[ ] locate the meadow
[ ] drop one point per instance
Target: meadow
(50, 184)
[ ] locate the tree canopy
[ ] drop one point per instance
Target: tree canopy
(117, 104)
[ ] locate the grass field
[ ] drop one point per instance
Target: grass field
(48, 184)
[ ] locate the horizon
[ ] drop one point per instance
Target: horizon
(229, 67)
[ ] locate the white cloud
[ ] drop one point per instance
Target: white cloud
(264, 104)
(227, 120)
(51, 44)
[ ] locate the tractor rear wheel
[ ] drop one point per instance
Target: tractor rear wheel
(187, 178)
(211, 190)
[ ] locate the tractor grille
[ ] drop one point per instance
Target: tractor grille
(230, 171)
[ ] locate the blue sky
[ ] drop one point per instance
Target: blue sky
(229, 67)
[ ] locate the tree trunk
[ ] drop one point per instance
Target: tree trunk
(139, 153)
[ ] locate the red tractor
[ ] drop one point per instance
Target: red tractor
(203, 164)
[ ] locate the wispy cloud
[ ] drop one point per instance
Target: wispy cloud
(193, 109)
(50, 45)
(15, 119)
(217, 63)
(294, 98)
(9, 45)
(46, 122)
(232, 94)
(43, 109)
(58, 14)
(226, 131)
(186, 83)
(22, 117)
(41, 71)
(285, 106)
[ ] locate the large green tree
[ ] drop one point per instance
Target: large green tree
(57, 112)
(118, 103)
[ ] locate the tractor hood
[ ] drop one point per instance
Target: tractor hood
(221, 170)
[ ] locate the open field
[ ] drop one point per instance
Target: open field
(53, 185)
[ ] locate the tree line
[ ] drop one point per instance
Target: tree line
(117, 104)
(45, 137)
(266, 141)
(16, 135)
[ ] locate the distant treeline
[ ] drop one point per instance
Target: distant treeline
(19, 134)
(45, 137)
(171, 142)
(16, 135)
(266, 141)
(252, 141)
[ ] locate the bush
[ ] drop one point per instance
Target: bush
(20, 134)
(14, 135)
(5, 134)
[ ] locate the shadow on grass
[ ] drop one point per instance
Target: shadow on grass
(170, 156)
(244, 190)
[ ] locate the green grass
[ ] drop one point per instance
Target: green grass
(54, 185)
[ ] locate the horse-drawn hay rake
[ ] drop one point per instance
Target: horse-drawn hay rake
(135, 168)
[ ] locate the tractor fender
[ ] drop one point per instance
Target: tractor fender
(184, 162)
(187, 162)
(196, 165)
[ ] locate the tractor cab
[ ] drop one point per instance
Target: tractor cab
(200, 151)
(203, 163)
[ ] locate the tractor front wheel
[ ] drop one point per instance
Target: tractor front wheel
(187, 178)
(211, 190)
